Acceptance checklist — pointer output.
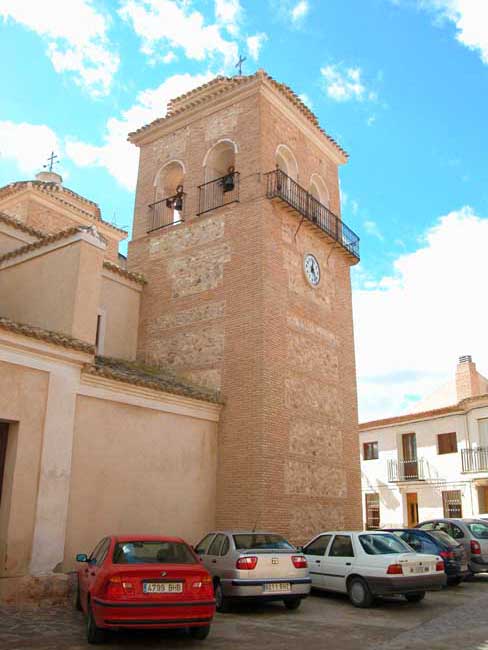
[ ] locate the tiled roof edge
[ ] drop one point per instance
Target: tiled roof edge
(57, 338)
(43, 186)
(126, 372)
(16, 223)
(136, 277)
(50, 239)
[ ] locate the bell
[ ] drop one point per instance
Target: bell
(228, 182)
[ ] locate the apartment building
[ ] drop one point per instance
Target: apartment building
(432, 463)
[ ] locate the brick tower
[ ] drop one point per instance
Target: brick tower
(235, 229)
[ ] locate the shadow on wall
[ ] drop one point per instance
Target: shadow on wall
(387, 496)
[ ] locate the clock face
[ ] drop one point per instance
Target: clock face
(312, 269)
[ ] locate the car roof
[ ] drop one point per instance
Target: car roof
(146, 538)
(244, 532)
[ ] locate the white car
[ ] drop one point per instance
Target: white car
(369, 563)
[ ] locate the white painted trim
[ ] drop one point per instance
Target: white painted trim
(125, 393)
(228, 140)
(318, 181)
(82, 235)
(166, 164)
(289, 153)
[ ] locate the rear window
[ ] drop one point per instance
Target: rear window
(253, 541)
(383, 544)
(152, 553)
(443, 537)
(479, 530)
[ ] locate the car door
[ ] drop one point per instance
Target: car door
(95, 566)
(213, 560)
(85, 577)
(315, 554)
(201, 549)
(338, 562)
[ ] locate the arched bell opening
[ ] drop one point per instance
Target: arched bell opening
(169, 195)
(286, 162)
(221, 178)
(318, 189)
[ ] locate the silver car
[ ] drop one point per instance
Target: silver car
(472, 533)
(251, 564)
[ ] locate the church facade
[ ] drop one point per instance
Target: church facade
(209, 379)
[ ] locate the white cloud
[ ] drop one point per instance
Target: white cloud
(371, 227)
(411, 326)
(344, 84)
(28, 145)
(116, 155)
(166, 24)
(470, 18)
(306, 100)
(299, 11)
(255, 43)
(228, 14)
(76, 37)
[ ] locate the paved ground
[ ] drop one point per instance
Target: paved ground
(452, 619)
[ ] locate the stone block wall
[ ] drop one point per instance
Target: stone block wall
(228, 305)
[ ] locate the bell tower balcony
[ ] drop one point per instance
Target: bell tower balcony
(282, 187)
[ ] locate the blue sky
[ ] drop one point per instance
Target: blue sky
(401, 84)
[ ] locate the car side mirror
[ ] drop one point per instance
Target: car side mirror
(82, 557)
(300, 549)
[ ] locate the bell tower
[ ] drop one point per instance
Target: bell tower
(237, 229)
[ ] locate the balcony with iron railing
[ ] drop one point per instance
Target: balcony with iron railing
(406, 470)
(281, 186)
(219, 192)
(166, 212)
(475, 459)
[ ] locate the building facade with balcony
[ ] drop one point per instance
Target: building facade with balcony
(433, 463)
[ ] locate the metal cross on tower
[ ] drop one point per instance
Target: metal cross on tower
(51, 161)
(239, 63)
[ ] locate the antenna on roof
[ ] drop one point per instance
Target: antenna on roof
(239, 63)
(51, 161)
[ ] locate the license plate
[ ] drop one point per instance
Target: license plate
(162, 588)
(418, 568)
(273, 587)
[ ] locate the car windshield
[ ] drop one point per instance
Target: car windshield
(479, 529)
(246, 541)
(443, 537)
(383, 544)
(152, 552)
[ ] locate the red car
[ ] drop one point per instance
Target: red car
(144, 581)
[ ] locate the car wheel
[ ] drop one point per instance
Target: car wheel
(415, 598)
(292, 603)
(454, 582)
(221, 602)
(199, 633)
(94, 635)
(76, 597)
(359, 593)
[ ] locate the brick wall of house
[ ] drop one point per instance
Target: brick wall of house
(227, 305)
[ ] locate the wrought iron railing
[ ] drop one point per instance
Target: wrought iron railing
(219, 192)
(282, 186)
(475, 460)
(166, 212)
(406, 470)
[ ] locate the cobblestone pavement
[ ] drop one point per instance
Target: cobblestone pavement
(454, 618)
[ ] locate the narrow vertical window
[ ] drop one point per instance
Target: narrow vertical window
(3, 453)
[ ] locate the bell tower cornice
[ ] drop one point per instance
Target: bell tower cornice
(223, 91)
